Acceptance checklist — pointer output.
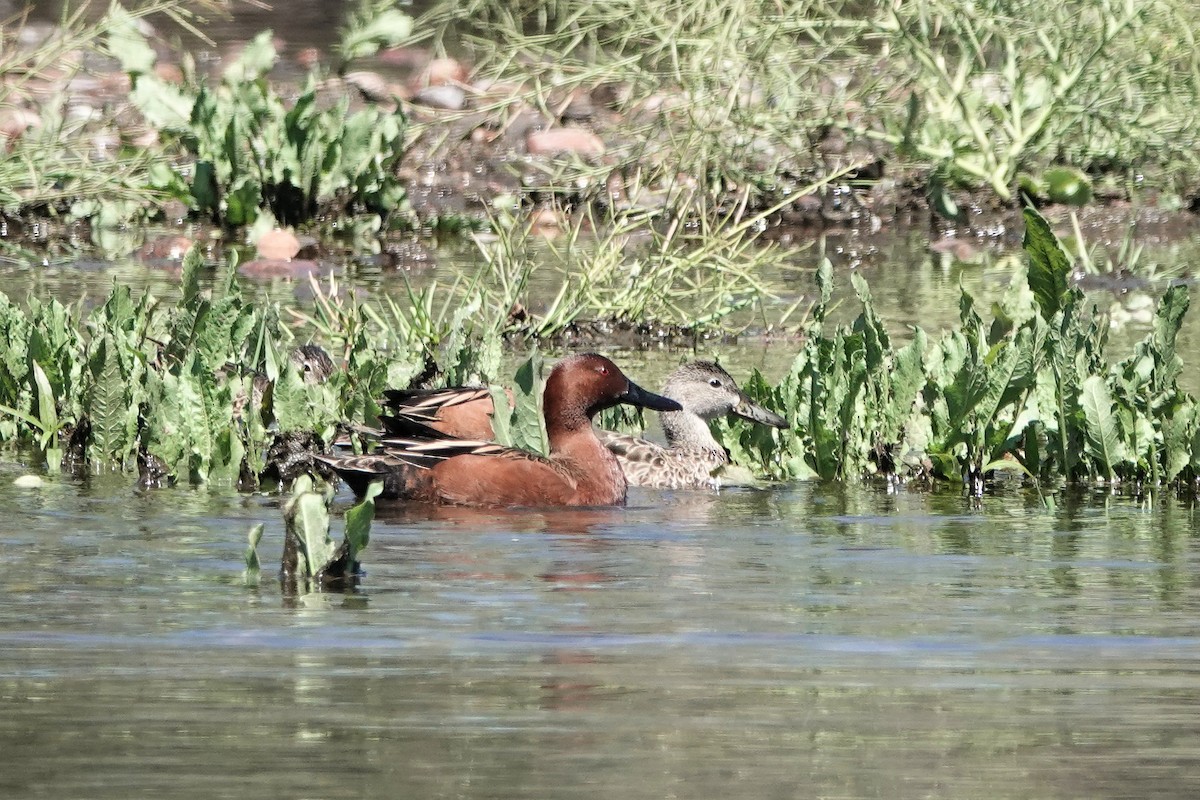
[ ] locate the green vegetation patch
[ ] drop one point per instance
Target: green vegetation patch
(1033, 390)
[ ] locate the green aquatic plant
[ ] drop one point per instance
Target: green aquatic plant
(205, 390)
(1033, 391)
(522, 425)
(199, 391)
(253, 152)
(311, 559)
(54, 166)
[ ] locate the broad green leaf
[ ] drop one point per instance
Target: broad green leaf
(1049, 264)
(164, 105)
(358, 520)
(307, 517)
(1178, 430)
(256, 60)
(47, 407)
(527, 428)
(1006, 465)
(1103, 441)
(189, 284)
(108, 409)
(1167, 323)
(502, 417)
(127, 44)
(907, 375)
(290, 401)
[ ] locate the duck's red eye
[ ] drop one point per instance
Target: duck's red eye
(603, 370)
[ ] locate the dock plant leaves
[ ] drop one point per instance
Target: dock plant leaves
(1103, 443)
(108, 409)
(358, 521)
(306, 515)
(1049, 264)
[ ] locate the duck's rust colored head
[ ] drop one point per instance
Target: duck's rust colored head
(581, 386)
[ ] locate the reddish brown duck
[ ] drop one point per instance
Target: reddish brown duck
(421, 464)
(690, 458)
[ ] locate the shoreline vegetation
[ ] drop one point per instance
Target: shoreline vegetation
(206, 391)
(730, 118)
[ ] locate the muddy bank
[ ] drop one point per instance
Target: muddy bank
(478, 148)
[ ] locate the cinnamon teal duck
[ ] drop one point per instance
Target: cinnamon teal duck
(421, 464)
(691, 456)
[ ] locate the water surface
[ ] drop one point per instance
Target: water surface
(805, 641)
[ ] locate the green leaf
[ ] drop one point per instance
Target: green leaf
(46, 405)
(502, 417)
(358, 521)
(1178, 430)
(527, 428)
(1168, 320)
(254, 537)
(164, 105)
(1103, 434)
(189, 283)
(907, 375)
(1006, 465)
(307, 518)
(107, 407)
(256, 60)
(1049, 264)
(126, 43)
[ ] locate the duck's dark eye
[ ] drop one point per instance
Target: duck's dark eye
(714, 382)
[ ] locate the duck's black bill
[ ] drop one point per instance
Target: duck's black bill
(637, 396)
(746, 409)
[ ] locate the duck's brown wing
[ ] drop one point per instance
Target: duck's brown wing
(400, 480)
(427, 402)
(425, 453)
(463, 412)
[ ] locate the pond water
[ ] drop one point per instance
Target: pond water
(807, 641)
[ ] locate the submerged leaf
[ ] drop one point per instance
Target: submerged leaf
(253, 538)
